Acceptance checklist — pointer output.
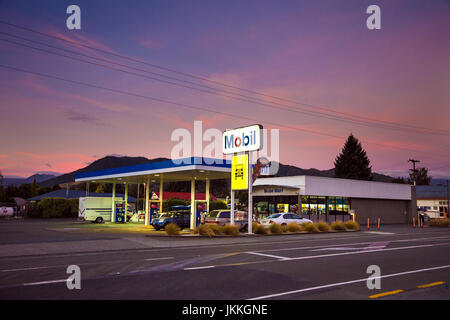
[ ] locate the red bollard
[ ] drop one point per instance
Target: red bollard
(414, 222)
(379, 223)
(368, 223)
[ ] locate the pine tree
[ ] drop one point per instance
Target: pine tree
(352, 162)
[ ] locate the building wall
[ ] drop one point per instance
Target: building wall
(390, 211)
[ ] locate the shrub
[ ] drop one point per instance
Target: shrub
(172, 229)
(309, 227)
(204, 230)
(218, 230)
(230, 230)
(293, 227)
(275, 228)
(73, 203)
(439, 223)
(322, 226)
(259, 229)
(55, 207)
(255, 226)
(338, 226)
(352, 225)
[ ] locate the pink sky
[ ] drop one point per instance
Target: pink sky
(320, 55)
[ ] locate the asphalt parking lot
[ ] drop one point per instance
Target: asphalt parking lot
(414, 264)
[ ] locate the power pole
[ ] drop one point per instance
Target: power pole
(448, 202)
(414, 169)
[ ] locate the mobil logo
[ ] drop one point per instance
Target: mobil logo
(242, 139)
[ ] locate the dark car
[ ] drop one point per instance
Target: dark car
(180, 218)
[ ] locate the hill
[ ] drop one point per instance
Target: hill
(115, 162)
(100, 164)
(13, 181)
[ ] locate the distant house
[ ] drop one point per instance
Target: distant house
(76, 194)
(433, 198)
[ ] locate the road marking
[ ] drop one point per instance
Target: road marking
(197, 268)
(431, 284)
(79, 264)
(152, 259)
(377, 245)
(345, 283)
(384, 294)
(43, 282)
(269, 255)
(345, 248)
(336, 254)
(378, 232)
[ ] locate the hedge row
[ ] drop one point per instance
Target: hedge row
(54, 208)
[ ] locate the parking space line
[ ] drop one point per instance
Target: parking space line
(384, 294)
(198, 268)
(269, 255)
(431, 284)
(345, 283)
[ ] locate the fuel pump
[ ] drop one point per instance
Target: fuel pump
(120, 211)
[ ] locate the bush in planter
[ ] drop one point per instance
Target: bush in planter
(204, 230)
(275, 228)
(258, 228)
(352, 225)
(323, 226)
(338, 226)
(293, 227)
(218, 230)
(172, 229)
(310, 227)
(439, 222)
(230, 230)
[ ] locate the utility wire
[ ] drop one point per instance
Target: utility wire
(183, 105)
(221, 83)
(194, 88)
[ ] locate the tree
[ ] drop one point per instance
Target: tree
(352, 162)
(99, 189)
(422, 178)
(1, 179)
(399, 180)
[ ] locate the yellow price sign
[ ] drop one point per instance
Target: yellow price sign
(239, 173)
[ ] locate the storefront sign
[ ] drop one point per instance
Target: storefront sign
(242, 139)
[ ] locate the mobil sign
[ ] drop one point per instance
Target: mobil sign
(242, 139)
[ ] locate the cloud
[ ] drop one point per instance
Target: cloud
(77, 116)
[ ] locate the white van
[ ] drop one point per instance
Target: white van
(96, 209)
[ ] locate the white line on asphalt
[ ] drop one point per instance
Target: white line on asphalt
(353, 243)
(282, 241)
(43, 282)
(269, 255)
(345, 283)
(378, 232)
(152, 259)
(196, 268)
(346, 248)
(81, 264)
(369, 251)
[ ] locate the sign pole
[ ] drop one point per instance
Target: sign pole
(250, 193)
(232, 208)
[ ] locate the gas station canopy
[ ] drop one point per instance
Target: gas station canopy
(184, 169)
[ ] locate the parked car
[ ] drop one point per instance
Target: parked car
(180, 218)
(284, 219)
(223, 217)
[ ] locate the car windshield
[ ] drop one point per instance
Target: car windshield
(274, 216)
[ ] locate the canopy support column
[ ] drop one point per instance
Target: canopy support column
(208, 184)
(126, 203)
(113, 203)
(147, 211)
(232, 208)
(161, 185)
(193, 209)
